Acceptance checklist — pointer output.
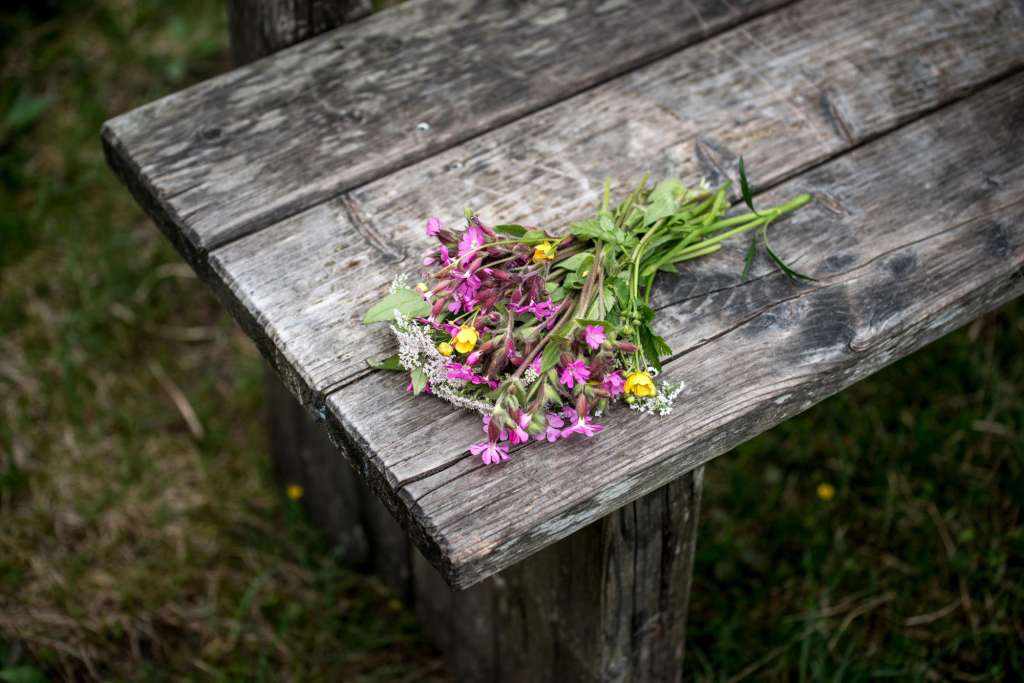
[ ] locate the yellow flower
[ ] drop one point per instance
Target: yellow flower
(445, 349)
(640, 384)
(466, 339)
(294, 491)
(545, 251)
(826, 492)
(422, 288)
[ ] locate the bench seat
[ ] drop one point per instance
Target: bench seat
(298, 186)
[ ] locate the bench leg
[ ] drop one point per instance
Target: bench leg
(606, 604)
(335, 498)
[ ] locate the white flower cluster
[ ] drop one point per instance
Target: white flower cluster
(416, 350)
(661, 402)
(401, 281)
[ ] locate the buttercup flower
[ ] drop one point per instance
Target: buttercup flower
(594, 336)
(545, 251)
(445, 349)
(640, 384)
(575, 371)
(466, 339)
(294, 491)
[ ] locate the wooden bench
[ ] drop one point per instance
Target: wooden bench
(296, 186)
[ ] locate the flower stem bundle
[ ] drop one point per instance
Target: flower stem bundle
(541, 331)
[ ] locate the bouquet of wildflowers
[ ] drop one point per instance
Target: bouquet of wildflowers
(540, 331)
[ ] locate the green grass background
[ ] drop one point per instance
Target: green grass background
(134, 546)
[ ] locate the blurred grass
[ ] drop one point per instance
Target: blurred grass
(134, 546)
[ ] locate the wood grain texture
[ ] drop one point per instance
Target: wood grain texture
(790, 91)
(247, 148)
(606, 604)
(918, 248)
(261, 27)
(296, 279)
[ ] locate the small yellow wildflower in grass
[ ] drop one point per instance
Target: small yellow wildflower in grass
(826, 492)
(640, 384)
(465, 340)
(294, 491)
(545, 251)
(445, 349)
(422, 287)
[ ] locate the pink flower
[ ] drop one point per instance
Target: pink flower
(579, 424)
(472, 239)
(433, 226)
(465, 373)
(519, 434)
(594, 336)
(473, 358)
(613, 383)
(575, 371)
(502, 434)
(490, 452)
(554, 430)
(536, 364)
(541, 310)
(443, 253)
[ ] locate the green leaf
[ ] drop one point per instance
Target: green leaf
(748, 197)
(406, 301)
(511, 229)
(389, 363)
(654, 346)
(534, 235)
(790, 273)
(749, 259)
(574, 262)
(662, 201)
(549, 359)
(419, 381)
(601, 228)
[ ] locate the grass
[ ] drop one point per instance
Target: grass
(136, 544)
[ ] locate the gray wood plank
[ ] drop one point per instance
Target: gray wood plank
(247, 148)
(689, 114)
(923, 231)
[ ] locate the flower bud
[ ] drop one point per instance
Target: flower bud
(494, 428)
(566, 358)
(438, 306)
(625, 346)
(581, 405)
(538, 423)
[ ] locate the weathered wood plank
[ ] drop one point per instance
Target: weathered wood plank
(688, 114)
(247, 148)
(472, 523)
(608, 603)
(903, 252)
